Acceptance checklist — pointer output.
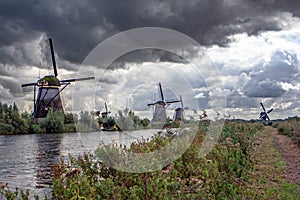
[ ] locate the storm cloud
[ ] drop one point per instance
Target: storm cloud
(79, 26)
(265, 80)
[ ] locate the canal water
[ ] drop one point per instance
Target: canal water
(26, 160)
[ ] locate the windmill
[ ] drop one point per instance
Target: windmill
(179, 112)
(264, 115)
(108, 123)
(160, 106)
(50, 87)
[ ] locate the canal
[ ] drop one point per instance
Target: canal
(26, 160)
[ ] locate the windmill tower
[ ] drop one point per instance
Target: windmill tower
(264, 115)
(179, 112)
(49, 88)
(160, 106)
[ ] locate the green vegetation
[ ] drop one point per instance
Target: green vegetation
(243, 165)
(290, 128)
(127, 120)
(12, 121)
(221, 175)
(225, 173)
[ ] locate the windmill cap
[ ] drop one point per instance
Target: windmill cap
(49, 80)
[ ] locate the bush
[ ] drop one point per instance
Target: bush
(54, 122)
(6, 128)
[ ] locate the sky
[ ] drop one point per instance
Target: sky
(248, 52)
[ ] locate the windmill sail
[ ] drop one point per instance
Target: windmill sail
(264, 115)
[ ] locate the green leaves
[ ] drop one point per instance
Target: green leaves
(54, 122)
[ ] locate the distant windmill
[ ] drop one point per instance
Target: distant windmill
(48, 96)
(160, 106)
(264, 115)
(105, 114)
(179, 112)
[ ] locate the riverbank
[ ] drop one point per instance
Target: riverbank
(245, 164)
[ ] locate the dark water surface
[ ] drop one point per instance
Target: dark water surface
(26, 160)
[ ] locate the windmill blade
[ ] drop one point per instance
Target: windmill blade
(28, 84)
(160, 91)
(77, 79)
(53, 57)
(50, 55)
(270, 110)
(174, 101)
(268, 118)
(262, 106)
(151, 104)
(78, 76)
(181, 101)
(106, 110)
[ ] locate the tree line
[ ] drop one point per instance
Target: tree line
(13, 121)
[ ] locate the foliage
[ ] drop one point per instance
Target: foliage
(220, 175)
(17, 194)
(13, 122)
(290, 128)
(127, 120)
(86, 122)
(53, 123)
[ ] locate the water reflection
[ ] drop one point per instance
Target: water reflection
(48, 153)
(26, 160)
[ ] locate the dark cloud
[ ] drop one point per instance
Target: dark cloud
(78, 26)
(264, 88)
(147, 55)
(265, 81)
(11, 84)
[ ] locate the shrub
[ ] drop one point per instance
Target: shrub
(54, 122)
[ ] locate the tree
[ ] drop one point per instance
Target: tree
(86, 121)
(54, 122)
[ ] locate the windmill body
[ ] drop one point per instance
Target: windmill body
(49, 89)
(159, 114)
(48, 97)
(178, 114)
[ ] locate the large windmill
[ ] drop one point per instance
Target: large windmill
(160, 106)
(264, 115)
(49, 87)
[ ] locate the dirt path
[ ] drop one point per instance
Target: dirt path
(276, 167)
(291, 154)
